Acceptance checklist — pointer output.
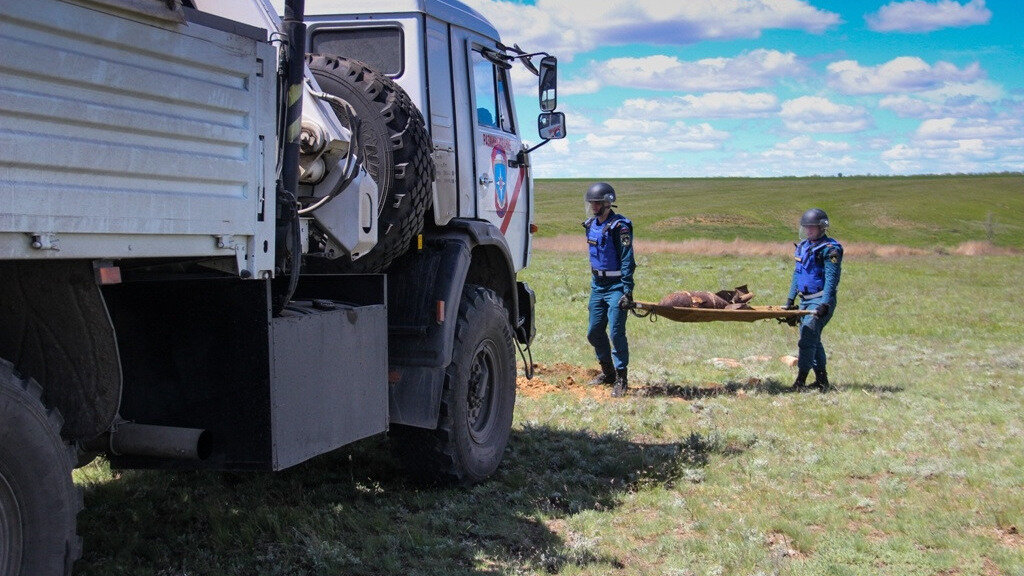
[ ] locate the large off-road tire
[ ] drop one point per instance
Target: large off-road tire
(477, 402)
(395, 148)
(39, 502)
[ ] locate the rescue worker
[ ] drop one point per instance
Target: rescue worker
(610, 240)
(819, 261)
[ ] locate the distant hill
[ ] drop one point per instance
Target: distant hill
(918, 211)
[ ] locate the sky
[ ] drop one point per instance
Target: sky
(694, 88)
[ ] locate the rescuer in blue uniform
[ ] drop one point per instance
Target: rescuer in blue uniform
(610, 240)
(815, 280)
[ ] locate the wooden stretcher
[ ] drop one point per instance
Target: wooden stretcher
(680, 314)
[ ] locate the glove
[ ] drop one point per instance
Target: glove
(821, 311)
(626, 302)
(790, 305)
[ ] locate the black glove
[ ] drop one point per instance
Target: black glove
(626, 302)
(821, 311)
(790, 305)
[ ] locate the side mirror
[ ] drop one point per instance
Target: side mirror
(548, 84)
(551, 125)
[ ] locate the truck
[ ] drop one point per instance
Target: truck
(232, 240)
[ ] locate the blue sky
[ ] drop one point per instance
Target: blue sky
(662, 88)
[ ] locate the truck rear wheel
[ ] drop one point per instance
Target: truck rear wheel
(395, 148)
(477, 402)
(38, 500)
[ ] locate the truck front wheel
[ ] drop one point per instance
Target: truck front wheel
(477, 402)
(38, 500)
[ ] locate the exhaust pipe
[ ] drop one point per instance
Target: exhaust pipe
(130, 439)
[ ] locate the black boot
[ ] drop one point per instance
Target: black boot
(607, 375)
(801, 380)
(621, 384)
(821, 380)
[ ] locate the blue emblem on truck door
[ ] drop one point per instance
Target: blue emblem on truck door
(498, 164)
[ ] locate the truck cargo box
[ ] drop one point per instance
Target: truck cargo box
(124, 134)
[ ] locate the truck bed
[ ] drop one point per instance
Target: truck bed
(128, 136)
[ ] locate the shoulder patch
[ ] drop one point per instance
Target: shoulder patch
(624, 237)
(834, 258)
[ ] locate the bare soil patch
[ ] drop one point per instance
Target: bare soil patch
(571, 379)
(562, 377)
(782, 546)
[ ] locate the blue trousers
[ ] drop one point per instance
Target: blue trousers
(604, 311)
(812, 353)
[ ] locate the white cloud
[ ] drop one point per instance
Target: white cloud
(754, 69)
(817, 114)
(899, 75)
(959, 145)
(909, 107)
(709, 105)
(654, 136)
(570, 27)
(982, 90)
(808, 144)
(625, 145)
(921, 16)
(951, 129)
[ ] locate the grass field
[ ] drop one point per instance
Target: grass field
(916, 211)
(914, 465)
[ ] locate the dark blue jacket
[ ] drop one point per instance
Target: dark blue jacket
(611, 246)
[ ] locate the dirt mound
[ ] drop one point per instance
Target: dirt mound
(562, 377)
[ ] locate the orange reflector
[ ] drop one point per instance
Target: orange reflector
(394, 376)
(440, 311)
(533, 228)
(108, 275)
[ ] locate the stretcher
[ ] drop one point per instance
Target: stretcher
(694, 314)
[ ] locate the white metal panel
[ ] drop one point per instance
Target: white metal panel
(442, 121)
(451, 11)
(465, 120)
(113, 127)
(413, 78)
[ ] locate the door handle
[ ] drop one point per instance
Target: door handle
(485, 179)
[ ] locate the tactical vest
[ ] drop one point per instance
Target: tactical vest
(604, 251)
(810, 264)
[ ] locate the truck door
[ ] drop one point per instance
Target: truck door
(502, 186)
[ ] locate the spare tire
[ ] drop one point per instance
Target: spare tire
(395, 148)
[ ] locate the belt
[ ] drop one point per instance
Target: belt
(606, 273)
(811, 296)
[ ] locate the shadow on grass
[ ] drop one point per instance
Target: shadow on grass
(871, 388)
(769, 386)
(353, 512)
(695, 392)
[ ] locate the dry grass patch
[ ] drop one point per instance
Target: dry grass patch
(704, 220)
(738, 247)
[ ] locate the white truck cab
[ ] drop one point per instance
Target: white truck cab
(446, 57)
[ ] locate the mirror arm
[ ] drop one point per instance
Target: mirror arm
(532, 148)
(523, 56)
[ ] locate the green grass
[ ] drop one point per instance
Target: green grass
(917, 211)
(913, 466)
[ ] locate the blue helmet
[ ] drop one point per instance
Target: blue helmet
(814, 217)
(600, 192)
